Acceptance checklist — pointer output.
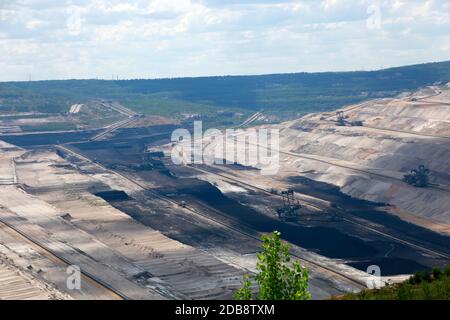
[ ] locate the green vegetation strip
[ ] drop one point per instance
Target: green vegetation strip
(421, 286)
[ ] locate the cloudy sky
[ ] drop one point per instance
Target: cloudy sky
(59, 39)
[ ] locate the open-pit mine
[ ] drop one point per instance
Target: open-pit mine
(365, 185)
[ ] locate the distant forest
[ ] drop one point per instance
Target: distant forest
(294, 93)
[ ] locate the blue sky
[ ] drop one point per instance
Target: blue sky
(57, 39)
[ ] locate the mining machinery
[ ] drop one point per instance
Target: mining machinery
(289, 210)
(342, 122)
(418, 177)
(340, 118)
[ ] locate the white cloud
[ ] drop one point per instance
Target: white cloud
(144, 38)
(326, 4)
(33, 24)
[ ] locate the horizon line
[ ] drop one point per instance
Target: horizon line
(221, 76)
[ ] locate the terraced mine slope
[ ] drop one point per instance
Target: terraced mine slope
(378, 142)
(369, 161)
(52, 215)
(51, 210)
(141, 227)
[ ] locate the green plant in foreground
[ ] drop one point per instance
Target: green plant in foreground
(277, 279)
